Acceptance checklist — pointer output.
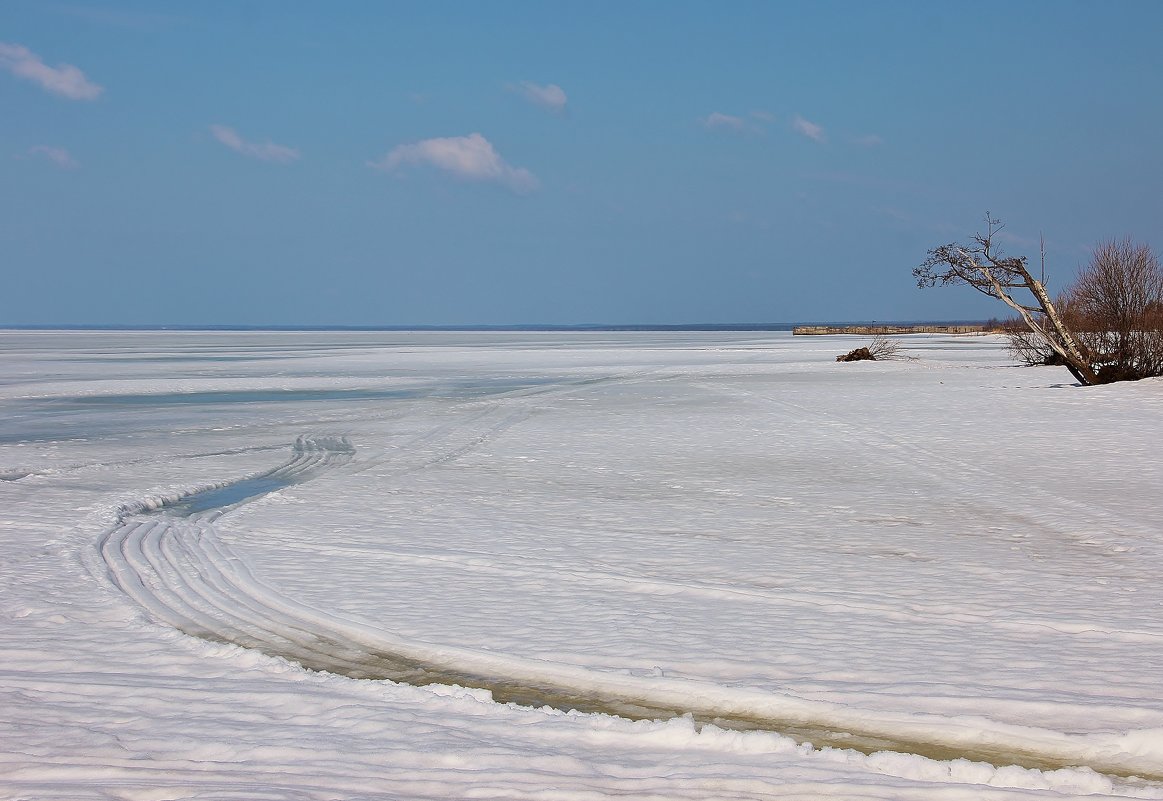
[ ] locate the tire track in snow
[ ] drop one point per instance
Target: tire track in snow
(526, 401)
(443, 432)
(184, 576)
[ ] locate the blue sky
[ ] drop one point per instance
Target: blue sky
(367, 163)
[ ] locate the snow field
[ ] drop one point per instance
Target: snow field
(724, 521)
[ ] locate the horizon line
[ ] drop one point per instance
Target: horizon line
(470, 326)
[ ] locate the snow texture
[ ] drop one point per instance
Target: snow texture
(359, 565)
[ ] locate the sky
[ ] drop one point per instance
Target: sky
(368, 163)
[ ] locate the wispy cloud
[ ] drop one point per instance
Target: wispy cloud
(64, 79)
(469, 157)
(57, 155)
(263, 151)
(717, 119)
(868, 140)
(807, 128)
(550, 96)
(754, 122)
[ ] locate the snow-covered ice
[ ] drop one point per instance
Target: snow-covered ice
(948, 558)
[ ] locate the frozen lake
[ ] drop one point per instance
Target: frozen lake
(943, 572)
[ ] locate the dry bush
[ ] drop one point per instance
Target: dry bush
(1116, 309)
(880, 348)
(1029, 348)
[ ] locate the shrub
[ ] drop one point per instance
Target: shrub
(1115, 308)
(881, 347)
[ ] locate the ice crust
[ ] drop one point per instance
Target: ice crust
(950, 547)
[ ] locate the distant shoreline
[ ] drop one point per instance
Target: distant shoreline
(911, 325)
(890, 329)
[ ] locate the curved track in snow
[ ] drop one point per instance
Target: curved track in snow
(170, 560)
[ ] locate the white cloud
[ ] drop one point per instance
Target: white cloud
(727, 121)
(550, 96)
(64, 79)
(264, 151)
(869, 140)
(469, 157)
(57, 155)
(807, 128)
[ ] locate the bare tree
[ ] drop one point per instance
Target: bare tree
(1116, 309)
(983, 267)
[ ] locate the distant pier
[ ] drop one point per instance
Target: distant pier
(873, 330)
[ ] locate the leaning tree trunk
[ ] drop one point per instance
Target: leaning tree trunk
(1078, 365)
(1061, 341)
